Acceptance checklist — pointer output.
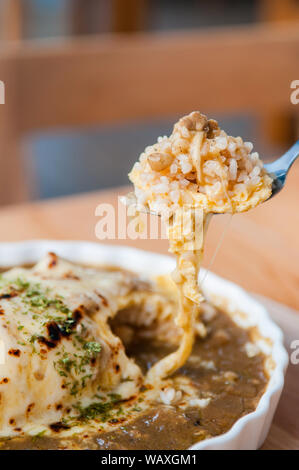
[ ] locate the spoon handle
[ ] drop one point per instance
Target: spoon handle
(284, 163)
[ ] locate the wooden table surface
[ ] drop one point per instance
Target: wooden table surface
(260, 252)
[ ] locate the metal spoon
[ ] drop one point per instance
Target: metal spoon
(278, 170)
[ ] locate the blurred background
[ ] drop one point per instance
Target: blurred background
(90, 83)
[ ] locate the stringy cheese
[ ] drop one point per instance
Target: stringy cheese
(197, 171)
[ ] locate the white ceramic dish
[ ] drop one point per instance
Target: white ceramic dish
(250, 431)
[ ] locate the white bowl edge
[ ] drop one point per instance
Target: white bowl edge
(250, 431)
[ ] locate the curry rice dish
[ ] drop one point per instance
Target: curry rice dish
(101, 358)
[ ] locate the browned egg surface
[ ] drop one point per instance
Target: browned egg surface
(236, 382)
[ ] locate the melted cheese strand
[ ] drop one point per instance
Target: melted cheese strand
(201, 166)
(219, 244)
(190, 296)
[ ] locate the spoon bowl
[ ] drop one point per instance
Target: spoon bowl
(278, 170)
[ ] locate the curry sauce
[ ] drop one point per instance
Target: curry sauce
(218, 366)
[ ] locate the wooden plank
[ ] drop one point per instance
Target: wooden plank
(12, 25)
(12, 183)
(88, 17)
(117, 16)
(278, 10)
(109, 79)
(278, 127)
(128, 16)
(116, 78)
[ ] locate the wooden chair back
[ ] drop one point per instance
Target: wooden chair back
(116, 78)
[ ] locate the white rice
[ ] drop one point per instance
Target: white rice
(175, 196)
(255, 172)
(249, 146)
(209, 365)
(233, 167)
(186, 167)
(200, 402)
(161, 188)
(221, 142)
(251, 349)
(232, 146)
(173, 169)
(170, 396)
(212, 168)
